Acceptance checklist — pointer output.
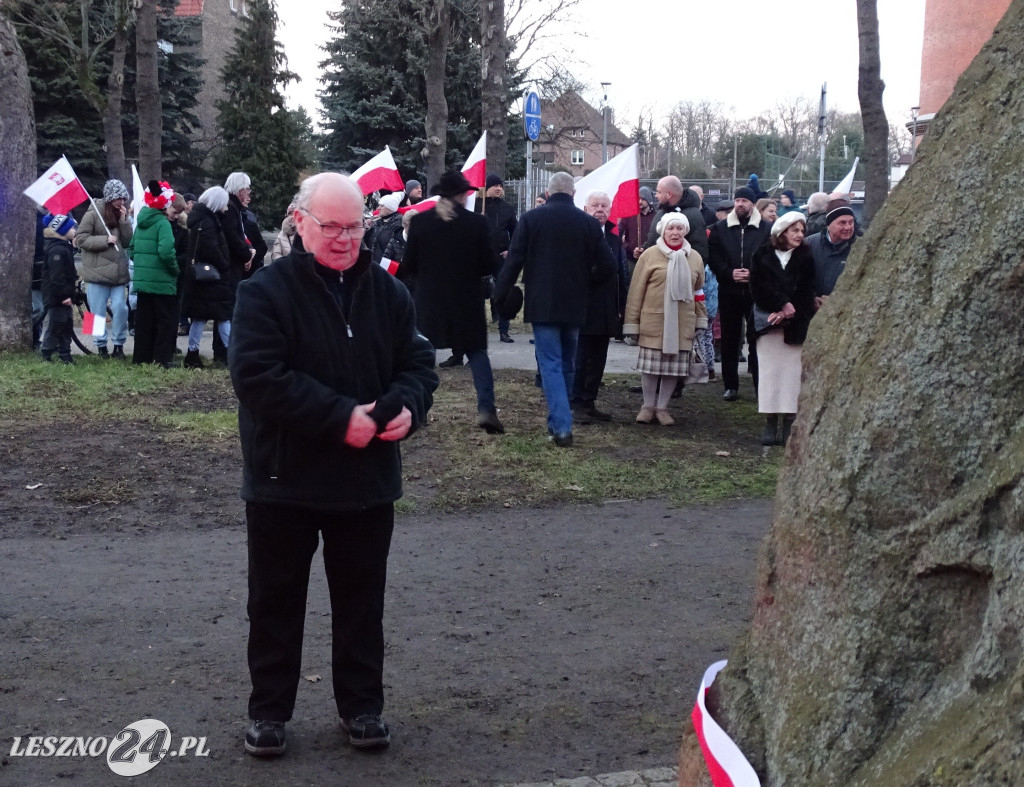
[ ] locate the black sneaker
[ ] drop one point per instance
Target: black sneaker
(455, 360)
(118, 353)
(506, 338)
(367, 731)
(597, 415)
(102, 352)
(730, 395)
(265, 738)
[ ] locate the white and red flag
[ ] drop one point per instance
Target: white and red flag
(421, 206)
(378, 173)
(475, 168)
(59, 189)
(391, 266)
(94, 324)
(726, 763)
(619, 179)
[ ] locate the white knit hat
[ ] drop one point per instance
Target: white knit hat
(391, 201)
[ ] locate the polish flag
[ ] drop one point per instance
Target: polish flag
(94, 324)
(389, 265)
(475, 168)
(378, 173)
(59, 189)
(619, 179)
(421, 206)
(726, 763)
(138, 196)
(846, 184)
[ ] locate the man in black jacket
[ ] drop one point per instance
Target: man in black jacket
(562, 253)
(330, 374)
(502, 219)
(606, 304)
(732, 242)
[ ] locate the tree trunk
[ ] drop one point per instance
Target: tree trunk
(876, 127)
(113, 137)
(436, 124)
(493, 96)
(147, 91)
(17, 218)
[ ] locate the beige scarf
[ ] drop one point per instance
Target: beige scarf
(678, 289)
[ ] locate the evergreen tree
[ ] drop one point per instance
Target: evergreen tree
(374, 92)
(258, 135)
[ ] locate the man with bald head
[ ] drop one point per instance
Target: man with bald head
(330, 374)
(673, 198)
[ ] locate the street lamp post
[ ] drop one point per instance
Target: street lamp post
(604, 118)
(913, 142)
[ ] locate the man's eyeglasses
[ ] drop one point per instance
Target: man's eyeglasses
(332, 231)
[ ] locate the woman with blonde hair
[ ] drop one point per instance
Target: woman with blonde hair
(661, 312)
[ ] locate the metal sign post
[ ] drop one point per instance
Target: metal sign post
(531, 129)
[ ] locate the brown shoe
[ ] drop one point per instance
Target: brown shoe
(646, 415)
(663, 418)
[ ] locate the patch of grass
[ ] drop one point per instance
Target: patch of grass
(199, 426)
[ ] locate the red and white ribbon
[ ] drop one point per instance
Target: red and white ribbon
(726, 763)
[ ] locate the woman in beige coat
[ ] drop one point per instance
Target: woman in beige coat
(661, 311)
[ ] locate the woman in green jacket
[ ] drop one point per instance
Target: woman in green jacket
(155, 279)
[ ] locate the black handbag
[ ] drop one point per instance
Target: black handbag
(202, 271)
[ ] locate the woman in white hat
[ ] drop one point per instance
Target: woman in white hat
(782, 287)
(662, 312)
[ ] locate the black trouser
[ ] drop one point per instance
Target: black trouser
(591, 356)
(734, 307)
(156, 328)
(282, 540)
(58, 332)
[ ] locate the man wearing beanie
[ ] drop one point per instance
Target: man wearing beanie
(732, 243)
(501, 218)
(413, 193)
(831, 247)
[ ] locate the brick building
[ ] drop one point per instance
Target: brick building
(214, 36)
(954, 32)
(571, 136)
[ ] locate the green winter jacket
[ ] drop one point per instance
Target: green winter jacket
(152, 249)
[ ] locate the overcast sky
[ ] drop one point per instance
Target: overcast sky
(745, 54)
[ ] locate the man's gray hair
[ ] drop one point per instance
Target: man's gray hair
(561, 183)
(817, 202)
(237, 181)
(596, 194)
(215, 198)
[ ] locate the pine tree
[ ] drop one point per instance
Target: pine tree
(259, 135)
(374, 92)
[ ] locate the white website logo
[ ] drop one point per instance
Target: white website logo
(138, 748)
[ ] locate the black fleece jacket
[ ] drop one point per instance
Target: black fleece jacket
(299, 366)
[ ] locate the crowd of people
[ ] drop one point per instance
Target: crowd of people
(163, 273)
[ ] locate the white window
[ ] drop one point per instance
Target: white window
(576, 158)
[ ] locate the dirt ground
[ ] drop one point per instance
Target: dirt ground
(522, 644)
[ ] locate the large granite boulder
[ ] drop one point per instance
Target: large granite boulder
(887, 646)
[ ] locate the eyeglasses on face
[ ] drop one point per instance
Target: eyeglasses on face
(332, 231)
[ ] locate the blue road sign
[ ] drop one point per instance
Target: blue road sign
(531, 115)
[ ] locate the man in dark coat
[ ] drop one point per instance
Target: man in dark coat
(561, 252)
(673, 198)
(501, 217)
(831, 247)
(448, 253)
(732, 242)
(330, 373)
(605, 306)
